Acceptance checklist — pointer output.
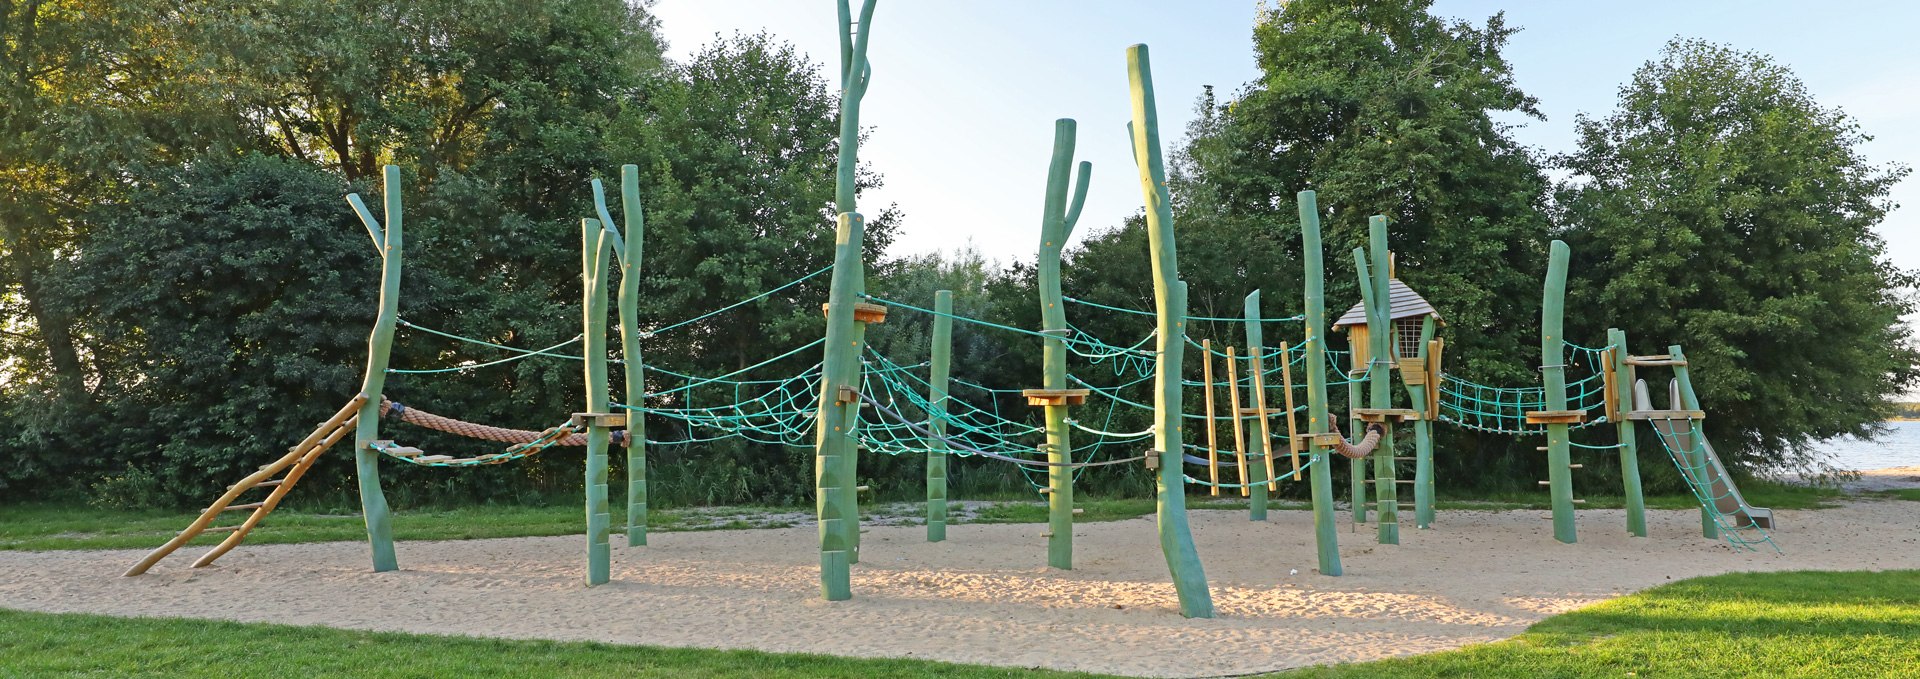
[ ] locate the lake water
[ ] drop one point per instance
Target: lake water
(1899, 447)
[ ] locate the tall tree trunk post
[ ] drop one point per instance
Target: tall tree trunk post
(1262, 471)
(1056, 225)
(1319, 420)
(836, 462)
(1623, 427)
(596, 244)
(636, 372)
(1553, 377)
(1424, 396)
(1170, 302)
(937, 379)
(366, 460)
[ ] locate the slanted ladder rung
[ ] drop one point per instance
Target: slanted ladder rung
(250, 505)
(262, 484)
(224, 529)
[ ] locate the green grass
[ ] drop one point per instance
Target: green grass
(1795, 624)
(47, 527)
(1900, 494)
(42, 645)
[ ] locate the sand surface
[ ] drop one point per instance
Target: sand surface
(983, 596)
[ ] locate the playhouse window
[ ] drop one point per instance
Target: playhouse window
(1407, 336)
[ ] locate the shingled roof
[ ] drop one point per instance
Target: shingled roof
(1406, 304)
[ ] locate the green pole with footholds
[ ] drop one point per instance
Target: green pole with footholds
(1056, 225)
(1629, 448)
(833, 437)
(937, 379)
(1697, 453)
(1553, 377)
(836, 462)
(596, 244)
(1319, 420)
(636, 375)
(1170, 302)
(366, 460)
(1386, 483)
(627, 258)
(1423, 396)
(1256, 472)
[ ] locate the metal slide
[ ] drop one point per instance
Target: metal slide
(1682, 436)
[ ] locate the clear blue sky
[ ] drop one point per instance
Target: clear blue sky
(965, 93)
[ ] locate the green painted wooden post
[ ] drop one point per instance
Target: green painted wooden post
(1356, 468)
(937, 378)
(1553, 375)
(1697, 455)
(836, 461)
(636, 375)
(1256, 470)
(832, 434)
(366, 460)
(1319, 420)
(1056, 225)
(1629, 448)
(1386, 493)
(1422, 436)
(1170, 306)
(596, 244)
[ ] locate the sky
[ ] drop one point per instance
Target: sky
(964, 93)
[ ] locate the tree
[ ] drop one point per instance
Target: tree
(1382, 108)
(737, 150)
(1720, 207)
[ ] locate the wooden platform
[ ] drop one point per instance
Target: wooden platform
(1055, 397)
(1655, 361)
(1556, 416)
(1386, 414)
(1666, 414)
(865, 312)
(599, 420)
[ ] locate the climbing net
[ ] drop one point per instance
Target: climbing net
(1503, 410)
(1687, 446)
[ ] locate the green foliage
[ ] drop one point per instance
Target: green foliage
(1721, 208)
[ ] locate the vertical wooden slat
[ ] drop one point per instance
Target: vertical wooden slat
(1293, 427)
(1239, 435)
(1213, 444)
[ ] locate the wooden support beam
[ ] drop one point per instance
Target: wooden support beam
(1666, 415)
(1239, 435)
(584, 420)
(1213, 444)
(864, 312)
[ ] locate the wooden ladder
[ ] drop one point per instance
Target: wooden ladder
(294, 464)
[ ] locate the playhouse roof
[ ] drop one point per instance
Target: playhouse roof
(1406, 304)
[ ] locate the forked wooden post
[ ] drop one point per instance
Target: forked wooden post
(1386, 492)
(596, 245)
(937, 379)
(1262, 481)
(1170, 302)
(1056, 225)
(836, 464)
(366, 460)
(1623, 427)
(1319, 420)
(1213, 438)
(628, 256)
(1553, 377)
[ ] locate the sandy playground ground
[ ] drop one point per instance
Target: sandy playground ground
(983, 596)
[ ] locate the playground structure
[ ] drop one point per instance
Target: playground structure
(1392, 330)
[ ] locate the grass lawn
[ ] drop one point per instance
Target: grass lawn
(1795, 624)
(44, 527)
